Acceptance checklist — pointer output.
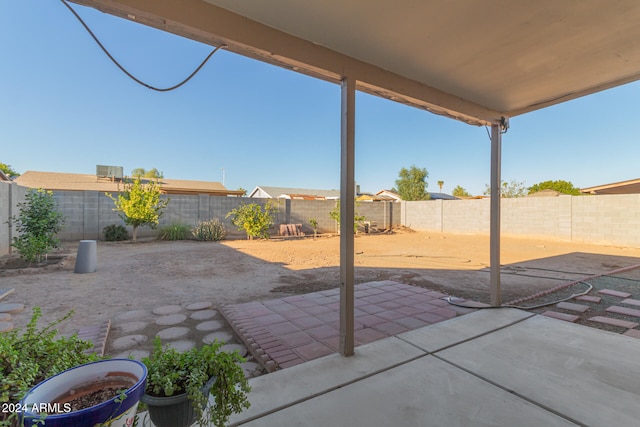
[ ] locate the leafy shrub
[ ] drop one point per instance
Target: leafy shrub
(357, 218)
(115, 233)
(314, 225)
(210, 231)
(175, 231)
(33, 356)
(37, 223)
(172, 372)
(140, 204)
(251, 219)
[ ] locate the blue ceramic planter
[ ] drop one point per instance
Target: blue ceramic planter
(119, 414)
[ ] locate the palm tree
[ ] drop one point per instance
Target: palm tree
(440, 184)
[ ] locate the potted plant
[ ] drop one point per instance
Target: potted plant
(105, 392)
(179, 385)
(29, 356)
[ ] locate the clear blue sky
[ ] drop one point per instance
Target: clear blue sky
(64, 107)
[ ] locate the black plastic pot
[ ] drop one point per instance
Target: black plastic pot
(173, 411)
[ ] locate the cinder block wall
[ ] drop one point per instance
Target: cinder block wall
(607, 220)
(10, 195)
(602, 220)
(537, 216)
(471, 217)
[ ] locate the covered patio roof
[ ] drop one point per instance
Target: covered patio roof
(478, 62)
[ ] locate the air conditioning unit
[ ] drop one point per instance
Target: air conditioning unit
(111, 172)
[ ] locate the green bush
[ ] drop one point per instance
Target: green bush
(251, 219)
(37, 224)
(357, 218)
(210, 231)
(33, 356)
(175, 231)
(115, 233)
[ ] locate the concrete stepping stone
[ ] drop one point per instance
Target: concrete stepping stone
(221, 336)
(167, 309)
(614, 293)
(182, 345)
(136, 354)
(5, 291)
(589, 298)
(250, 369)
(210, 325)
(199, 306)
(623, 310)
(128, 341)
(5, 317)
(614, 322)
(171, 319)
(6, 326)
(11, 308)
(631, 302)
(131, 315)
(173, 333)
(130, 327)
(229, 348)
(572, 307)
(204, 314)
(561, 316)
(635, 333)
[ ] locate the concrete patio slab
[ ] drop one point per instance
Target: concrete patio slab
(445, 334)
(289, 386)
(588, 375)
(424, 392)
(498, 367)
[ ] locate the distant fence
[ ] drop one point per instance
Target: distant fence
(88, 212)
(603, 220)
(600, 220)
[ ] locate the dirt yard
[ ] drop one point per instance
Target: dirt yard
(151, 273)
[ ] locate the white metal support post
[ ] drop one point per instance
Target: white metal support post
(494, 239)
(347, 209)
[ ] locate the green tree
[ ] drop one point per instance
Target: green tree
(357, 218)
(244, 192)
(460, 192)
(37, 223)
(509, 189)
(411, 183)
(564, 187)
(140, 204)
(252, 219)
(8, 170)
(142, 173)
(440, 184)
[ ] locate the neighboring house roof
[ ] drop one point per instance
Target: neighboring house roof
(442, 196)
(389, 195)
(434, 196)
(623, 187)
(81, 182)
(4, 177)
(294, 193)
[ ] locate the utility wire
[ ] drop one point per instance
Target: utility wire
(128, 73)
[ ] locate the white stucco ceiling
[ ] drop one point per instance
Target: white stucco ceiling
(506, 55)
(481, 59)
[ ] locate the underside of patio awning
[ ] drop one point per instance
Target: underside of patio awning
(480, 62)
(472, 60)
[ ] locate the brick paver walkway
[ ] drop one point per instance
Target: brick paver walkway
(632, 313)
(289, 331)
